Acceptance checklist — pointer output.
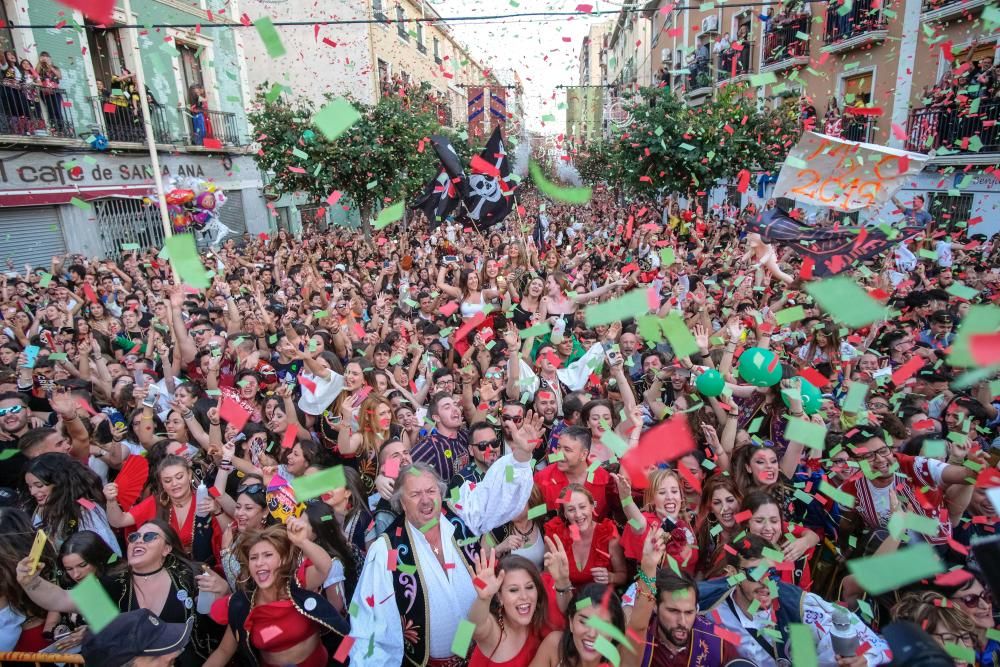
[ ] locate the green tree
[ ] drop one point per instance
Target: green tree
(384, 157)
(595, 161)
(673, 148)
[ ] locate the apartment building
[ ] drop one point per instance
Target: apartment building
(586, 102)
(842, 57)
(75, 172)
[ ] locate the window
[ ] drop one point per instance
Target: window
(401, 23)
(858, 89)
(106, 53)
(6, 34)
(948, 210)
(191, 72)
(437, 50)
(378, 12)
(420, 38)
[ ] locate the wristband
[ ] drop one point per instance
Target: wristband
(627, 500)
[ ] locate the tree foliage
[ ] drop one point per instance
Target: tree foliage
(382, 158)
(595, 161)
(671, 147)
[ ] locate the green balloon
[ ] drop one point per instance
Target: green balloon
(710, 383)
(812, 398)
(760, 367)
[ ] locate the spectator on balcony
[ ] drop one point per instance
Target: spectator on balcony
(201, 124)
(833, 121)
(807, 114)
(129, 91)
(12, 102)
(29, 85)
(49, 78)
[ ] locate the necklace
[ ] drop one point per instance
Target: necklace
(525, 534)
(147, 575)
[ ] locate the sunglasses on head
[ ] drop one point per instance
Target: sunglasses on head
(488, 444)
(12, 410)
(251, 489)
(146, 537)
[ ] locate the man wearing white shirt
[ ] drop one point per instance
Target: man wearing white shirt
(760, 609)
(423, 561)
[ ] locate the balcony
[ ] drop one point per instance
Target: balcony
(699, 79)
(124, 124)
(858, 128)
(784, 46)
(960, 133)
(860, 26)
(35, 111)
(942, 10)
(734, 63)
(216, 126)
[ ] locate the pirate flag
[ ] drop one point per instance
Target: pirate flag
(832, 250)
(439, 199)
(489, 197)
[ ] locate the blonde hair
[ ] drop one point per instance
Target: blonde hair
(654, 479)
(932, 612)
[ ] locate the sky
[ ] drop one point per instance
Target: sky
(536, 49)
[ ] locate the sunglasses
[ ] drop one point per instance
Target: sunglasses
(771, 573)
(146, 537)
(494, 375)
(512, 418)
(199, 332)
(972, 601)
(12, 410)
(251, 489)
(488, 444)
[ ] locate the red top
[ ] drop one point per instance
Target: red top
(277, 626)
(145, 510)
(522, 659)
(599, 556)
(680, 537)
(553, 482)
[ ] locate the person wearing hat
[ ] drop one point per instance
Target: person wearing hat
(136, 639)
(939, 335)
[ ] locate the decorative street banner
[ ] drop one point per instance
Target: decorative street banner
(498, 107)
(584, 113)
(845, 175)
(477, 105)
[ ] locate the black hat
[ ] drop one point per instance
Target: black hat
(133, 634)
(941, 317)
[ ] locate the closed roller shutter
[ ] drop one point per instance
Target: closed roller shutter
(231, 213)
(30, 235)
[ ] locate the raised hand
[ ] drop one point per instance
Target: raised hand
(556, 561)
(487, 580)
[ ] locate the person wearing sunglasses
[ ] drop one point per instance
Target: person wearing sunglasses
(946, 622)
(750, 597)
(976, 601)
(484, 448)
(15, 421)
(155, 576)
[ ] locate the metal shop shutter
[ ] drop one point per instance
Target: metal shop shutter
(231, 213)
(30, 235)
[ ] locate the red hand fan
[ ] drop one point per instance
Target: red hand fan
(131, 480)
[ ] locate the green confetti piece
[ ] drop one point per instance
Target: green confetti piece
(960, 652)
(667, 257)
(335, 118)
(577, 196)
(130, 246)
(842, 498)
(316, 484)
(184, 258)
(614, 442)
(981, 319)
(755, 425)
(463, 637)
(810, 434)
(44, 280)
(758, 80)
(604, 646)
(320, 314)
(80, 204)
(274, 93)
(846, 302)
(788, 315)
(608, 630)
(269, 35)
(803, 645)
(678, 335)
(855, 397)
(901, 522)
(627, 306)
(555, 457)
(540, 329)
(389, 215)
(9, 453)
(57, 356)
(93, 603)
(881, 574)
(962, 291)
(650, 329)
(537, 511)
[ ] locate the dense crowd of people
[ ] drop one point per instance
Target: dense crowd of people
(439, 447)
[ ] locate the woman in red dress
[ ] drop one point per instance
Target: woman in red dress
(664, 505)
(512, 610)
(595, 556)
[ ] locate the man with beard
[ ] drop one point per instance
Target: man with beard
(484, 445)
(761, 608)
(666, 614)
(572, 460)
(15, 418)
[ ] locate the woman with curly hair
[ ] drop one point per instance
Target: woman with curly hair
(335, 571)
(66, 497)
(270, 619)
(943, 621)
(716, 523)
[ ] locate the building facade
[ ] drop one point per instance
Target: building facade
(75, 173)
(914, 74)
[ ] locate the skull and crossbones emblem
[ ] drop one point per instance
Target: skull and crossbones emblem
(486, 188)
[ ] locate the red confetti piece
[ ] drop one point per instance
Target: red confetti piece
(97, 10)
(344, 650)
(211, 142)
(288, 439)
(86, 504)
(667, 441)
(906, 371)
(234, 413)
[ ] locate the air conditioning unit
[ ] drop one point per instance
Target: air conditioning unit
(710, 24)
(665, 56)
